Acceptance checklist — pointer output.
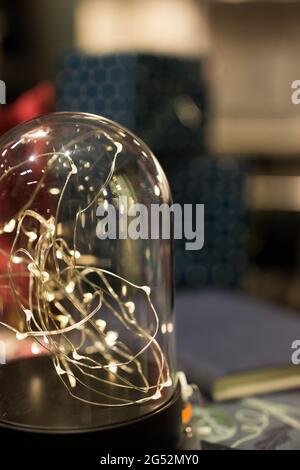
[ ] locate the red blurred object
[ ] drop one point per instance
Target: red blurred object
(19, 271)
(39, 100)
(34, 102)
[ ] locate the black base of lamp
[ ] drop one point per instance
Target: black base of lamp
(159, 429)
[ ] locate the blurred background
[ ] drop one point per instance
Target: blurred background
(207, 85)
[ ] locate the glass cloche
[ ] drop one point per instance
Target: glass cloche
(86, 280)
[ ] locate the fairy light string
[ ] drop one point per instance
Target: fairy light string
(62, 311)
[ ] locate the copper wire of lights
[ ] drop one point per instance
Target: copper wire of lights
(62, 312)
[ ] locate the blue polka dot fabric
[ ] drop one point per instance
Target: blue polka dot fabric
(98, 85)
(151, 95)
(219, 184)
(164, 101)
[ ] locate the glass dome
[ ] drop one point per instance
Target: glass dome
(86, 317)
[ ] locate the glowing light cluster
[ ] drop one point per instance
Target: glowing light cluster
(62, 311)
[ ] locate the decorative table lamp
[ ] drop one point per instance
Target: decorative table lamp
(86, 318)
